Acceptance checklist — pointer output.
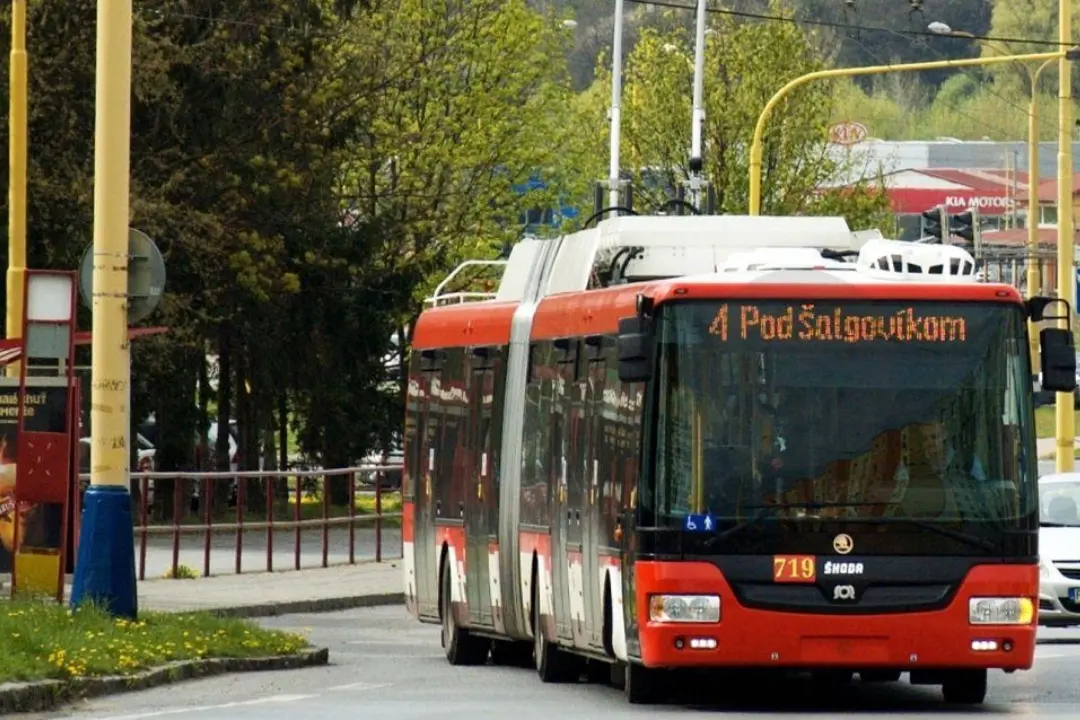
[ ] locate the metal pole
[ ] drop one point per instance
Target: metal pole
(698, 118)
(1066, 430)
(1034, 264)
(17, 142)
(105, 571)
(616, 105)
(759, 129)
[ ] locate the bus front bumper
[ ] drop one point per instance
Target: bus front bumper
(909, 641)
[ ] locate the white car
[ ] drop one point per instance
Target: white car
(1059, 549)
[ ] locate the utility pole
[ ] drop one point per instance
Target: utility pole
(616, 106)
(17, 142)
(698, 119)
(105, 567)
(1066, 430)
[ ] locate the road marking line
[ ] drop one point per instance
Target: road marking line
(358, 686)
(208, 708)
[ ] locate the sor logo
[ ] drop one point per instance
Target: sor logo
(844, 593)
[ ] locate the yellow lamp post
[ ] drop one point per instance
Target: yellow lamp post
(1033, 279)
(1066, 430)
(105, 568)
(17, 142)
(759, 129)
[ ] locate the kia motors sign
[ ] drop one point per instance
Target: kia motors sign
(918, 200)
(847, 133)
(982, 202)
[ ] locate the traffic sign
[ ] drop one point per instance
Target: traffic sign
(146, 275)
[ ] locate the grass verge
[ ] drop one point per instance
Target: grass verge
(1045, 421)
(46, 641)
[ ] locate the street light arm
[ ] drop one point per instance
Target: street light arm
(759, 129)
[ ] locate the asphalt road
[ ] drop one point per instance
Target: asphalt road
(384, 665)
(223, 550)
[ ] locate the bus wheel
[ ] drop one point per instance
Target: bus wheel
(641, 684)
(462, 647)
(552, 663)
(965, 687)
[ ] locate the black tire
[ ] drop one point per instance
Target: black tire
(965, 687)
(553, 664)
(879, 676)
(641, 684)
(461, 646)
(598, 672)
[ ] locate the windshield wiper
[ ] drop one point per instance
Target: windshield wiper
(943, 531)
(1048, 523)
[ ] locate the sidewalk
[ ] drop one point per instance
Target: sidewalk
(263, 594)
(1047, 447)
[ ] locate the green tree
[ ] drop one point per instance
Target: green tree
(463, 100)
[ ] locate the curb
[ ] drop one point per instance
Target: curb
(321, 605)
(48, 694)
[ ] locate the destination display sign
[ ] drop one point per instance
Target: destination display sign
(857, 323)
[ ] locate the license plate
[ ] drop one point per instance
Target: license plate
(794, 568)
(1074, 594)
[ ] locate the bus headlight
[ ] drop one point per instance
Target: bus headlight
(684, 608)
(1000, 611)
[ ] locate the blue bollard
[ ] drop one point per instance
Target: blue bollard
(105, 564)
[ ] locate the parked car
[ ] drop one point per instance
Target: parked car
(391, 479)
(147, 462)
(1059, 549)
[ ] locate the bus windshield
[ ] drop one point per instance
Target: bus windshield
(845, 411)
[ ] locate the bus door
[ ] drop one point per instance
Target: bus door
(428, 438)
(577, 560)
(593, 520)
(562, 522)
(477, 573)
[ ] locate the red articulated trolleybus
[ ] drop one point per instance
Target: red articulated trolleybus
(730, 442)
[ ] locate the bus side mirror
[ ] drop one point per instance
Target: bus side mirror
(636, 343)
(1037, 306)
(1058, 360)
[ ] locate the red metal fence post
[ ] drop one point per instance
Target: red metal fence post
(208, 535)
(378, 517)
(270, 524)
(325, 518)
(352, 518)
(144, 536)
(241, 491)
(296, 520)
(177, 496)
